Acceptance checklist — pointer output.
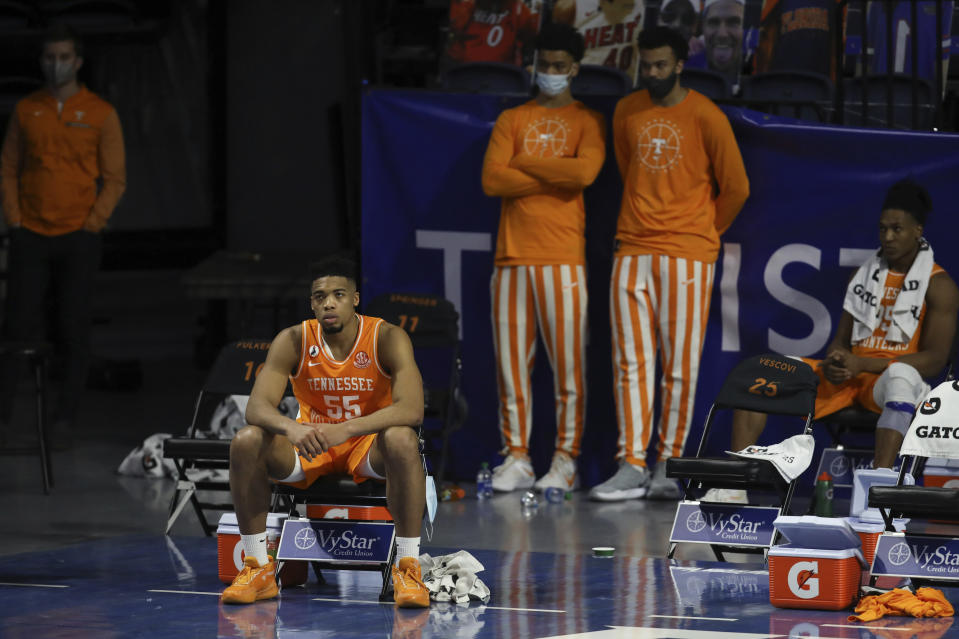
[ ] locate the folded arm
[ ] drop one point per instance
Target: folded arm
(571, 173)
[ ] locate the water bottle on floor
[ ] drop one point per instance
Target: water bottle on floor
(484, 482)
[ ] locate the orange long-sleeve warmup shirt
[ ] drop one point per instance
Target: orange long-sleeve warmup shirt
(539, 160)
(53, 159)
(683, 177)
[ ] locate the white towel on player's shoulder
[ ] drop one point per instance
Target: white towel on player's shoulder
(866, 289)
(453, 577)
(790, 457)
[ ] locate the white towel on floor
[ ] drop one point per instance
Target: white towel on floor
(453, 577)
(865, 291)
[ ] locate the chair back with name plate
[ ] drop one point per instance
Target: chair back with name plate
(202, 458)
(771, 384)
(432, 323)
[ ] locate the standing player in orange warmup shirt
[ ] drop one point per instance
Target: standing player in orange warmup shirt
(684, 183)
(541, 156)
(361, 396)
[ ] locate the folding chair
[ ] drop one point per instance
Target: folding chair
(232, 374)
(931, 556)
(37, 353)
(771, 384)
(432, 323)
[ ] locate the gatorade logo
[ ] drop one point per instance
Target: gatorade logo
(802, 579)
(930, 406)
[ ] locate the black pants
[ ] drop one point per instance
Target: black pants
(68, 264)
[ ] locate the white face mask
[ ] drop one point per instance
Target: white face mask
(59, 73)
(552, 84)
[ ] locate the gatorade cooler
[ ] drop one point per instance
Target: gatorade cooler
(862, 479)
(229, 550)
(821, 566)
(941, 476)
(869, 532)
(361, 513)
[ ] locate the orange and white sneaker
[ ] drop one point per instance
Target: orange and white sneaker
(409, 591)
(252, 584)
(562, 474)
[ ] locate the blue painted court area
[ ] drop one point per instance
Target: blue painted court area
(152, 586)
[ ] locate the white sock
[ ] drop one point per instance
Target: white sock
(405, 547)
(255, 546)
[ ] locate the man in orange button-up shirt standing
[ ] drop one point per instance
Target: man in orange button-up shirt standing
(541, 156)
(61, 175)
(684, 183)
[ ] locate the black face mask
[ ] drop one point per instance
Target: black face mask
(659, 88)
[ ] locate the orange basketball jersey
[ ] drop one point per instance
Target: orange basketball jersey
(330, 390)
(876, 345)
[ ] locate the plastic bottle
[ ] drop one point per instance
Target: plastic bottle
(555, 495)
(823, 496)
(484, 482)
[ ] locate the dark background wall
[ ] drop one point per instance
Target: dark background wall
(284, 82)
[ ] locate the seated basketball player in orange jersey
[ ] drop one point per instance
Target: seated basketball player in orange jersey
(897, 327)
(360, 398)
(541, 155)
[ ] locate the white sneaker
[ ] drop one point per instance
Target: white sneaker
(562, 474)
(725, 496)
(513, 473)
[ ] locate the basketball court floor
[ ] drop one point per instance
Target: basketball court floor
(90, 560)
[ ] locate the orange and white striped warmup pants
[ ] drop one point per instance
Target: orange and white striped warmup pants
(552, 298)
(664, 301)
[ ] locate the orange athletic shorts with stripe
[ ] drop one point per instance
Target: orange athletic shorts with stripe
(831, 398)
(345, 458)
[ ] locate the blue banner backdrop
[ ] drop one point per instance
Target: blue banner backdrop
(811, 218)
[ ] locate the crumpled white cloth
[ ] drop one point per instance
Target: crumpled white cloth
(453, 577)
(791, 457)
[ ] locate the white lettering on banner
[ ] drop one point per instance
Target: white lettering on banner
(453, 243)
(939, 559)
(805, 304)
(854, 257)
(729, 296)
(802, 579)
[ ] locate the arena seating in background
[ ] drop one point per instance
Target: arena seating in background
(486, 77)
(800, 94)
(877, 100)
(713, 85)
(594, 79)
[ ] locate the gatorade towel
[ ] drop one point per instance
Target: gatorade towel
(931, 433)
(790, 457)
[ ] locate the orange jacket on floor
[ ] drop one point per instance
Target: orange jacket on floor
(927, 602)
(53, 159)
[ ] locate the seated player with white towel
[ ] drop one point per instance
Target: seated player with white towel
(897, 327)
